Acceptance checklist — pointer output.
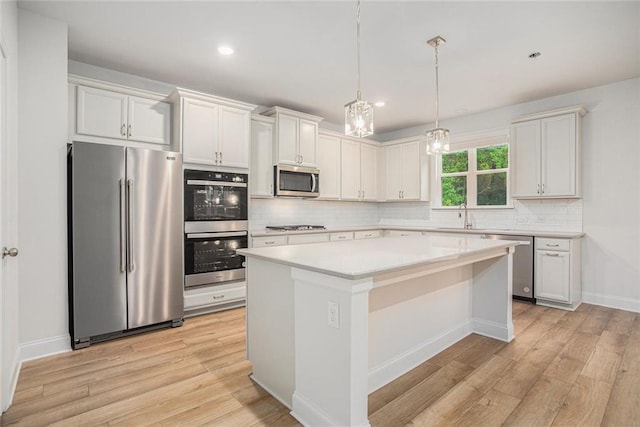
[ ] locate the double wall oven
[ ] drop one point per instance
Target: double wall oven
(216, 223)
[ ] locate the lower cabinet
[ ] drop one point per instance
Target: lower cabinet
(214, 298)
(403, 233)
(557, 273)
(263, 242)
(367, 234)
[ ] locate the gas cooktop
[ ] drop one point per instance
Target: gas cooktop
(295, 227)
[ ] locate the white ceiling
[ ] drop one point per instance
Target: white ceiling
(301, 55)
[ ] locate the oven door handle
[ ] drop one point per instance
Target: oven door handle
(222, 183)
(205, 235)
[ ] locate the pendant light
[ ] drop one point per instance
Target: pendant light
(358, 114)
(438, 138)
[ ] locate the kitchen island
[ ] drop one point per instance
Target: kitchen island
(329, 323)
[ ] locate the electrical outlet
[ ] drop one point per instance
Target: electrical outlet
(333, 314)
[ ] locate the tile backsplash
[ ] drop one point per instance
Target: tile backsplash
(541, 215)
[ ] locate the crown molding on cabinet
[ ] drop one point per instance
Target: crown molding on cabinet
(578, 109)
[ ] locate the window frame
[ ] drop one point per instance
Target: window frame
(471, 143)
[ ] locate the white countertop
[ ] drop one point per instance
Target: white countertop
(357, 259)
(535, 233)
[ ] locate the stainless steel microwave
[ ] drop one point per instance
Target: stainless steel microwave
(296, 181)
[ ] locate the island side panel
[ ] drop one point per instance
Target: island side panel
(492, 297)
(270, 327)
(331, 369)
(413, 320)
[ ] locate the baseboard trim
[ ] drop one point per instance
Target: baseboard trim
(391, 369)
(310, 415)
(45, 347)
(621, 303)
(493, 330)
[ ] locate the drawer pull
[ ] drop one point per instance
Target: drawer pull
(554, 245)
(551, 254)
(271, 242)
(218, 297)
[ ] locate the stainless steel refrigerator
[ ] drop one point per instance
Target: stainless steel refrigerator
(125, 241)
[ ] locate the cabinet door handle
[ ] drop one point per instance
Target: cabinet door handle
(220, 152)
(129, 130)
(216, 161)
(542, 188)
(301, 158)
(538, 190)
(123, 130)
(551, 254)
(363, 194)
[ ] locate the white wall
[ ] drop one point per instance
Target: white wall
(10, 316)
(42, 137)
(610, 208)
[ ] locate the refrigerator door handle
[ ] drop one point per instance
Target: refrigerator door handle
(130, 260)
(123, 230)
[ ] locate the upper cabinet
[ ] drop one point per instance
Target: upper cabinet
(295, 137)
(261, 176)
(545, 154)
(212, 131)
(328, 157)
(102, 111)
(406, 171)
(358, 171)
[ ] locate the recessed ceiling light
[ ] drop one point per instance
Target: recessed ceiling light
(534, 55)
(225, 50)
(379, 104)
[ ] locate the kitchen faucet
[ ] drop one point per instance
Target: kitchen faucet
(467, 223)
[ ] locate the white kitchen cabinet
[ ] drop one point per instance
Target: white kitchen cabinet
(358, 171)
(328, 156)
(263, 242)
(545, 154)
(403, 233)
(557, 272)
(299, 239)
(367, 234)
(340, 237)
(213, 131)
(295, 137)
(404, 174)
(103, 113)
(213, 298)
(261, 176)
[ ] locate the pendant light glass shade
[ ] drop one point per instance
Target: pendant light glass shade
(358, 118)
(358, 114)
(438, 141)
(438, 138)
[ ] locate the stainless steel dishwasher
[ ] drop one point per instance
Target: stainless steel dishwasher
(522, 265)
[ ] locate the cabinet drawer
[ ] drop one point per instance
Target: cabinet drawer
(308, 238)
(261, 242)
(214, 296)
(368, 234)
(334, 237)
(403, 233)
(549, 244)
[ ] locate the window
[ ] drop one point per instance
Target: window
(477, 174)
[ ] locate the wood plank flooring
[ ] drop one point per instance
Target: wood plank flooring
(577, 368)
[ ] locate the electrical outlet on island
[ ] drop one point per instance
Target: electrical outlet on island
(333, 314)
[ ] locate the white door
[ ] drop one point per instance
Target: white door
(101, 113)
(149, 120)
(394, 172)
(261, 176)
(525, 159)
(552, 275)
(349, 170)
(368, 172)
(287, 139)
(328, 157)
(8, 238)
(234, 137)
(307, 142)
(559, 156)
(411, 171)
(199, 132)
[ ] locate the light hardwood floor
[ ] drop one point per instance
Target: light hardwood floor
(577, 368)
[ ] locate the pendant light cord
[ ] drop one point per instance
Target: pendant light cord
(437, 89)
(358, 47)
